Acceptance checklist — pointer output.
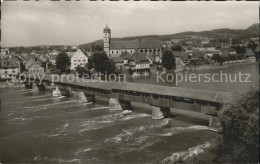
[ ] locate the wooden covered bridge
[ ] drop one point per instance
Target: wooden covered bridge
(122, 93)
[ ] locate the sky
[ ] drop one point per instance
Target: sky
(28, 23)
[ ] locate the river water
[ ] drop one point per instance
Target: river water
(226, 79)
(36, 127)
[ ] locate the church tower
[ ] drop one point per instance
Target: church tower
(107, 39)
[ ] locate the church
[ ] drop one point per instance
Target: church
(116, 48)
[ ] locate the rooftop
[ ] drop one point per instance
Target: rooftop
(138, 56)
(136, 44)
(249, 52)
(8, 63)
(126, 55)
(118, 60)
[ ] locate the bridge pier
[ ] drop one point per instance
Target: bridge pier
(65, 91)
(160, 112)
(85, 98)
(37, 87)
(28, 85)
(49, 86)
(214, 122)
(56, 92)
(117, 104)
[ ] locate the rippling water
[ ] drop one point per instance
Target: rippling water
(36, 127)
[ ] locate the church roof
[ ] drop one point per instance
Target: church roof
(135, 44)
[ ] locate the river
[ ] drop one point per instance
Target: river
(215, 83)
(36, 127)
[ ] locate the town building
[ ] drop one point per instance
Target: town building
(9, 69)
(52, 59)
(197, 54)
(119, 62)
(178, 62)
(41, 59)
(35, 67)
(4, 52)
(116, 48)
(139, 63)
(250, 55)
(20, 61)
(126, 57)
(80, 58)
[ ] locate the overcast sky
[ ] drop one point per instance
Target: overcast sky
(73, 23)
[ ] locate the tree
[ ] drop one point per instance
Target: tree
(102, 63)
(168, 59)
(63, 63)
(90, 65)
(96, 47)
(240, 50)
(82, 71)
(176, 48)
(240, 130)
(193, 62)
(252, 45)
(51, 67)
(217, 58)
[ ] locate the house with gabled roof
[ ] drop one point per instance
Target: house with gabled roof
(79, 58)
(35, 67)
(250, 55)
(9, 68)
(119, 62)
(197, 54)
(139, 62)
(126, 57)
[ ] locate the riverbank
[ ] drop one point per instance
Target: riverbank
(204, 153)
(208, 67)
(11, 85)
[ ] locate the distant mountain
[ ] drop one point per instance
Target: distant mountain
(254, 27)
(251, 31)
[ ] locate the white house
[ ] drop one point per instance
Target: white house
(79, 58)
(139, 62)
(35, 68)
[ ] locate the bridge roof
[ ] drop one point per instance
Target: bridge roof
(197, 94)
(176, 91)
(81, 82)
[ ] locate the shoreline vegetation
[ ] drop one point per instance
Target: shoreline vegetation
(239, 140)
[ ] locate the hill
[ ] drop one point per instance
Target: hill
(254, 27)
(251, 31)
